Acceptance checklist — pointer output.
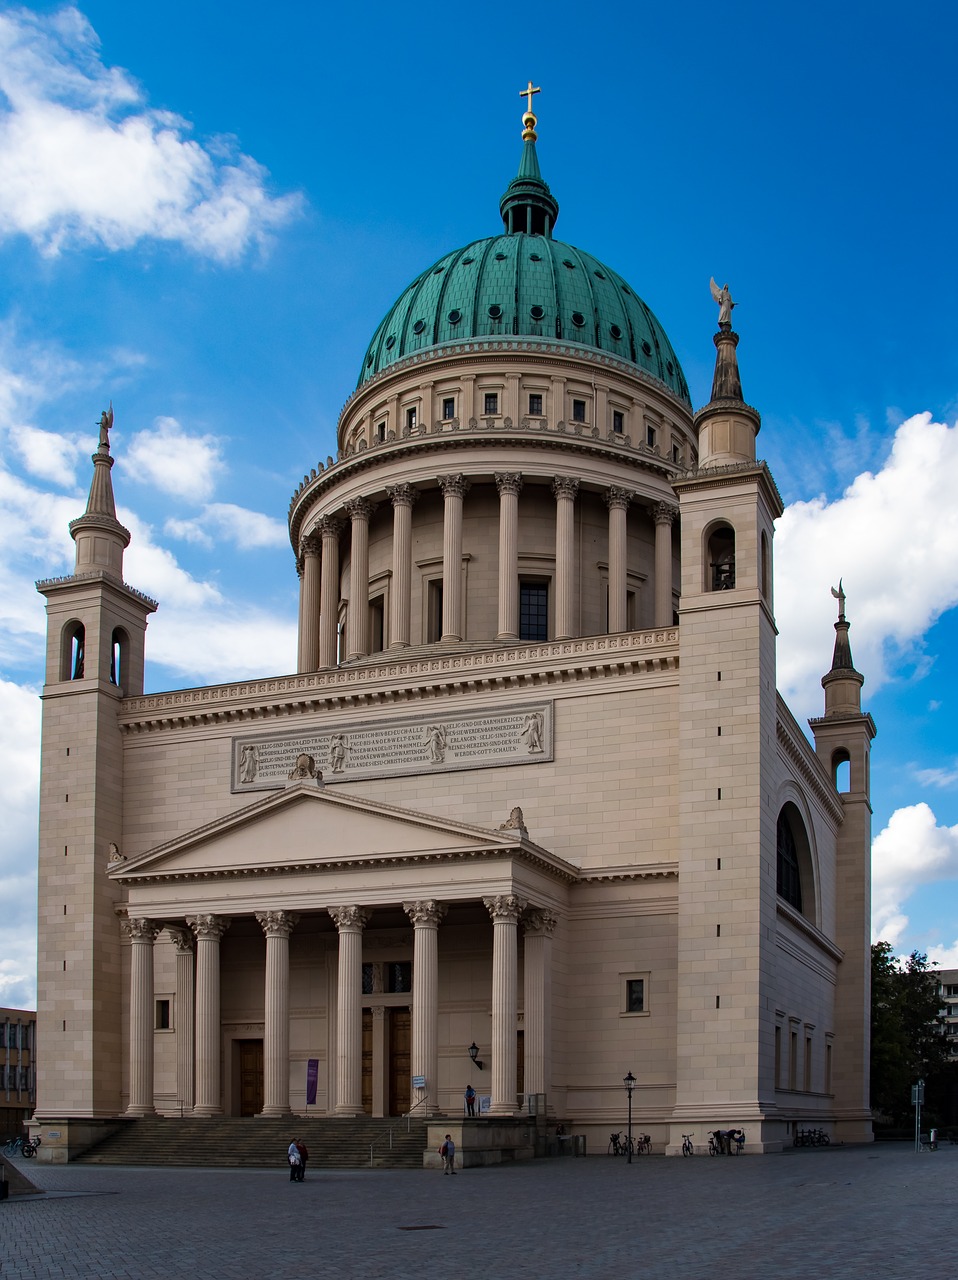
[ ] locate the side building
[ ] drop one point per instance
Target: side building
(529, 815)
(18, 1063)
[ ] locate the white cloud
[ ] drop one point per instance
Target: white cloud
(246, 529)
(891, 537)
(944, 779)
(48, 454)
(911, 851)
(19, 791)
(170, 459)
(84, 160)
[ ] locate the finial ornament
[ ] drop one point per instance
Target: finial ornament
(725, 304)
(528, 120)
(839, 595)
(106, 426)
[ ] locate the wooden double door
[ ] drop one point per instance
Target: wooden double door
(387, 1060)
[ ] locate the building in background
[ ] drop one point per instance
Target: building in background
(531, 791)
(18, 1057)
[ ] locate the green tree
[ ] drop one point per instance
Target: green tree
(907, 1044)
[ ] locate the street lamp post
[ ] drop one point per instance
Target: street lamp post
(629, 1083)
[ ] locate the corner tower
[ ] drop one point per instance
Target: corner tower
(843, 738)
(96, 628)
(727, 734)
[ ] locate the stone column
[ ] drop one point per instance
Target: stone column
(359, 511)
(277, 925)
(454, 489)
(299, 631)
(509, 484)
(402, 497)
(208, 930)
(538, 927)
(505, 911)
(184, 943)
(565, 490)
(617, 500)
(426, 915)
(310, 549)
(664, 514)
(350, 921)
(142, 935)
(330, 529)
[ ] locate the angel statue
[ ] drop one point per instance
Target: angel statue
(725, 304)
(106, 425)
(840, 597)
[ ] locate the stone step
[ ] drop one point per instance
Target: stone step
(334, 1143)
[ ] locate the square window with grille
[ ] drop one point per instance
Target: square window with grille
(448, 408)
(635, 995)
(535, 405)
(533, 611)
(491, 402)
(578, 411)
(398, 975)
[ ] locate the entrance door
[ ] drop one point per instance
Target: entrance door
(400, 1037)
(368, 1062)
(251, 1077)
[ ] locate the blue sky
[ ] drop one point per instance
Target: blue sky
(205, 210)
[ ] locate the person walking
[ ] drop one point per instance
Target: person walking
(303, 1157)
(448, 1153)
(470, 1096)
(295, 1160)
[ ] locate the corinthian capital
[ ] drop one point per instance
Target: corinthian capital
(453, 486)
(616, 498)
(277, 924)
(425, 913)
(182, 939)
(208, 926)
(540, 920)
(330, 526)
(565, 487)
(505, 908)
(665, 513)
(140, 930)
(310, 546)
(402, 495)
(350, 919)
(359, 508)
(509, 482)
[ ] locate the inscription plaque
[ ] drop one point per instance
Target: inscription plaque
(407, 745)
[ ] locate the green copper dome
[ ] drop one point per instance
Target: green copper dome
(525, 285)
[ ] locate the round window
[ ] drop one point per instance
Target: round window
(390, 342)
(670, 366)
(419, 326)
(536, 312)
(495, 312)
(646, 348)
(578, 319)
(599, 275)
(534, 257)
(615, 331)
(454, 317)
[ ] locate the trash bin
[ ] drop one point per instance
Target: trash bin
(578, 1144)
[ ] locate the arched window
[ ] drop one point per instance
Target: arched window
(119, 652)
(789, 877)
(841, 770)
(72, 651)
(721, 559)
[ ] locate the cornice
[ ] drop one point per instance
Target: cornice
(402, 681)
(48, 586)
(812, 932)
(528, 855)
(796, 747)
(318, 484)
(650, 871)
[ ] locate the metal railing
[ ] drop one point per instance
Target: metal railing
(407, 1115)
(388, 1134)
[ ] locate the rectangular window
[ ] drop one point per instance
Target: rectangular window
(434, 615)
(381, 432)
(618, 422)
(793, 1060)
(535, 405)
(808, 1064)
(828, 1068)
(411, 418)
(491, 402)
(398, 975)
(635, 995)
(162, 1021)
(650, 437)
(778, 1057)
(578, 411)
(448, 408)
(533, 611)
(377, 623)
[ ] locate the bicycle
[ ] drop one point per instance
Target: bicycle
(643, 1143)
(687, 1148)
(12, 1146)
(29, 1148)
(615, 1144)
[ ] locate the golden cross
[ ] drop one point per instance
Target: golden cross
(527, 93)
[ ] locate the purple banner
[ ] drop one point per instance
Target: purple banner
(312, 1079)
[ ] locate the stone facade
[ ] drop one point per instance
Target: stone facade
(531, 789)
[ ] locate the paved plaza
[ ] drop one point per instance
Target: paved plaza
(856, 1212)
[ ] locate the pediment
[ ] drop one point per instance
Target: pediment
(307, 826)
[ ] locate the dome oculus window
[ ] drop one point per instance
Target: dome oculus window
(534, 257)
(536, 312)
(419, 326)
(646, 348)
(438, 271)
(598, 275)
(670, 366)
(615, 331)
(467, 261)
(390, 342)
(454, 317)
(495, 312)
(500, 257)
(567, 263)
(578, 319)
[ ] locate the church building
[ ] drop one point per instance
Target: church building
(530, 815)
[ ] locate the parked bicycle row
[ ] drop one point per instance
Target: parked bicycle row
(21, 1146)
(722, 1142)
(810, 1138)
(621, 1144)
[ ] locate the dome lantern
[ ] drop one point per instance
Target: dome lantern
(528, 205)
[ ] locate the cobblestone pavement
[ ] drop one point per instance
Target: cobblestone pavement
(844, 1212)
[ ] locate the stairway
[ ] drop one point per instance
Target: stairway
(261, 1142)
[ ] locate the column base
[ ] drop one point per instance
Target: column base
(207, 1111)
(275, 1110)
(343, 1110)
(507, 635)
(135, 1112)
